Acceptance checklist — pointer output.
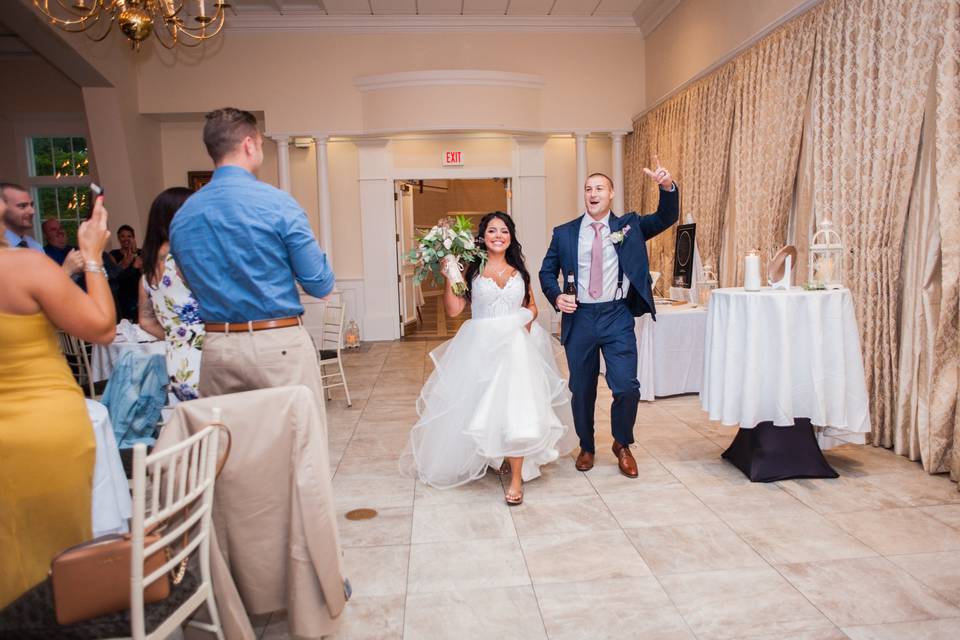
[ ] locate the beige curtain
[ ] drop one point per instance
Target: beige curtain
(706, 156)
(946, 389)
(772, 79)
(690, 134)
(926, 418)
(870, 80)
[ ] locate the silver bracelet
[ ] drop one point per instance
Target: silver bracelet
(94, 267)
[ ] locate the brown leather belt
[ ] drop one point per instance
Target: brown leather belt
(253, 325)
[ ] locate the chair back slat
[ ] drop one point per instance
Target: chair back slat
(77, 353)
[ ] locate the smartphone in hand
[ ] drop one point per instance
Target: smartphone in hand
(95, 192)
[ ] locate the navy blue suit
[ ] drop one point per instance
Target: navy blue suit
(606, 327)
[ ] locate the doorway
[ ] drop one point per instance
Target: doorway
(420, 205)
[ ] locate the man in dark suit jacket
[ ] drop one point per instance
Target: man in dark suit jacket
(607, 257)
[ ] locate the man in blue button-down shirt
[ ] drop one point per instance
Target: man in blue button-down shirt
(242, 245)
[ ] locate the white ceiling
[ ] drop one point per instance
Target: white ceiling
(519, 8)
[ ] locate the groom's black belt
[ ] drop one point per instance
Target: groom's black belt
(601, 305)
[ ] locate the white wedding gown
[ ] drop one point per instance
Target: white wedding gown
(495, 392)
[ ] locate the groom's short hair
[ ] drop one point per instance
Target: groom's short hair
(602, 175)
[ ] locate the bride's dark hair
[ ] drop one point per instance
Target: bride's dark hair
(514, 254)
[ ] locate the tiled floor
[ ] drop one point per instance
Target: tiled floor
(691, 549)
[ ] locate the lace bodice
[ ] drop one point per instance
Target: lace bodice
(488, 300)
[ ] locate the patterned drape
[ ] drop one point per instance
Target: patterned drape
(945, 418)
(771, 93)
(706, 159)
(870, 77)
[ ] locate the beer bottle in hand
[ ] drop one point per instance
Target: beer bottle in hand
(571, 288)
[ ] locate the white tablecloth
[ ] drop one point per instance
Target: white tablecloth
(670, 351)
(104, 357)
(111, 495)
(775, 355)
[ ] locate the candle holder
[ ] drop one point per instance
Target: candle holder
(751, 271)
(826, 258)
(705, 285)
(351, 337)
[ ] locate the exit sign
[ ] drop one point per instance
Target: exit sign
(453, 159)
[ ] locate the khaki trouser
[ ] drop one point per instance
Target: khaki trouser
(249, 360)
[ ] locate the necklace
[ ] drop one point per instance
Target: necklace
(500, 273)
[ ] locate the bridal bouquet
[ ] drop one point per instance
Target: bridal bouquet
(443, 250)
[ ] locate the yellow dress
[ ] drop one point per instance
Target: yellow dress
(47, 452)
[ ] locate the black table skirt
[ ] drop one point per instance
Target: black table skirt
(768, 453)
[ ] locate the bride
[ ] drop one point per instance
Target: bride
(496, 397)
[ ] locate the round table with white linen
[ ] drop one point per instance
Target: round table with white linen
(104, 357)
(670, 350)
(775, 355)
(111, 504)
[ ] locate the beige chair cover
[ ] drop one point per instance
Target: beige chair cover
(275, 544)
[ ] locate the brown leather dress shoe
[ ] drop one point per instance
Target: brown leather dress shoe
(584, 461)
(625, 460)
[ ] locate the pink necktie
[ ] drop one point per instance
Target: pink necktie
(596, 262)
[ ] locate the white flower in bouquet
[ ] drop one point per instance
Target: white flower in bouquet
(443, 250)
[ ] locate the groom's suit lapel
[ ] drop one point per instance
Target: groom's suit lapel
(573, 242)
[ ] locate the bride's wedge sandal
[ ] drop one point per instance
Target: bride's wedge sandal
(513, 499)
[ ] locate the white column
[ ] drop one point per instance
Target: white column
(381, 296)
(283, 161)
(581, 138)
(530, 204)
(323, 197)
(619, 186)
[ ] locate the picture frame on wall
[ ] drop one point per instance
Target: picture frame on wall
(196, 179)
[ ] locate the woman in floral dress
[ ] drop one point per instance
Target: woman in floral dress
(168, 309)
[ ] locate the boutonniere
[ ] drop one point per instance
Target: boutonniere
(618, 236)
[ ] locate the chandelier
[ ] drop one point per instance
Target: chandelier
(168, 20)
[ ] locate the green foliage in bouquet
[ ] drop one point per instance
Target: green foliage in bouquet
(450, 237)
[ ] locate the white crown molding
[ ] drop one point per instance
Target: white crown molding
(651, 13)
(450, 77)
(312, 21)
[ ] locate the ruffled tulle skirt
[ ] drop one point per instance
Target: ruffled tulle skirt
(495, 392)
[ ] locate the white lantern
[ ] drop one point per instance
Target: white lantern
(826, 258)
(705, 285)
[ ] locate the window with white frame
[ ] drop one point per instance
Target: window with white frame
(59, 175)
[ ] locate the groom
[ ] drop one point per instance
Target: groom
(607, 257)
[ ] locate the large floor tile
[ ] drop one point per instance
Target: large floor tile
(391, 526)
(898, 531)
(836, 495)
(670, 427)
(479, 614)
(866, 591)
(606, 477)
(691, 548)
(657, 507)
(467, 564)
(487, 491)
(785, 539)
(354, 493)
(939, 571)
(371, 618)
(614, 608)
(673, 449)
(559, 479)
(741, 603)
(733, 503)
(563, 515)
(918, 489)
(919, 630)
(946, 513)
(369, 468)
(454, 522)
(581, 557)
(706, 474)
(864, 460)
(377, 571)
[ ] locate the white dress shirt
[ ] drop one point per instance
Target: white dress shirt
(611, 262)
(13, 240)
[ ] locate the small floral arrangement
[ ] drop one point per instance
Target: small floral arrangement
(618, 236)
(443, 250)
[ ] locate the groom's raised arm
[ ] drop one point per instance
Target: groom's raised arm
(667, 213)
(549, 271)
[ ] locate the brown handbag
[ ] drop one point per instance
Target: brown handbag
(92, 578)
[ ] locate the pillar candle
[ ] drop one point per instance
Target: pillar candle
(751, 272)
